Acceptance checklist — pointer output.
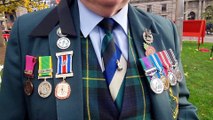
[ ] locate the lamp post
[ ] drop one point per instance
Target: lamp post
(179, 15)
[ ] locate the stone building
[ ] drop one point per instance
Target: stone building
(193, 9)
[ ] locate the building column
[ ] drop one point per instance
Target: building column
(199, 9)
(186, 10)
(179, 18)
(204, 5)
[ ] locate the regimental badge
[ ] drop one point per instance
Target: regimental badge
(45, 72)
(63, 42)
(29, 69)
(148, 38)
(64, 70)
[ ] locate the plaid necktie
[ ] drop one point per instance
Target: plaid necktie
(114, 63)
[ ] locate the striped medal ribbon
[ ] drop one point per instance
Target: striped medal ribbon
(64, 70)
(157, 63)
(45, 72)
(176, 68)
(156, 84)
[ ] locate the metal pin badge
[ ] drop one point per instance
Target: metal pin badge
(63, 42)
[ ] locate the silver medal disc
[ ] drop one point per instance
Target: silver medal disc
(44, 89)
(172, 78)
(63, 43)
(62, 90)
(179, 75)
(156, 85)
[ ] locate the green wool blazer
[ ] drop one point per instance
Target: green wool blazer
(35, 34)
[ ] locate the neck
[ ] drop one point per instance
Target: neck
(105, 9)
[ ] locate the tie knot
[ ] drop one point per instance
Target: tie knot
(107, 24)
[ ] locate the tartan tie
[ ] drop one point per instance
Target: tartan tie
(115, 64)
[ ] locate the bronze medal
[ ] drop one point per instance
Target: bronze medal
(44, 89)
(165, 81)
(62, 90)
(28, 87)
(150, 50)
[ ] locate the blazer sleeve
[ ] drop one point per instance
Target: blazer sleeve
(186, 110)
(12, 103)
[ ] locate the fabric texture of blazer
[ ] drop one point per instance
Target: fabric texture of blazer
(35, 34)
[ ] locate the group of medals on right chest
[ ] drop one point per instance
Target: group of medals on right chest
(161, 68)
(45, 71)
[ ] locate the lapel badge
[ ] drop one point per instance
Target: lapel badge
(63, 42)
(64, 70)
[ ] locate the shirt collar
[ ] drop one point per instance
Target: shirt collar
(90, 19)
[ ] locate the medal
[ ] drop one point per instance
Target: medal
(29, 68)
(63, 42)
(64, 70)
(174, 62)
(62, 90)
(44, 89)
(161, 73)
(165, 81)
(156, 85)
(178, 74)
(28, 87)
(172, 78)
(45, 72)
(150, 50)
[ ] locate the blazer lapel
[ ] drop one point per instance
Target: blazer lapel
(71, 108)
(138, 22)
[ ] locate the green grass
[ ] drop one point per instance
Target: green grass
(198, 69)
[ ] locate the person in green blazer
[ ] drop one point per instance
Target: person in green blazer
(53, 67)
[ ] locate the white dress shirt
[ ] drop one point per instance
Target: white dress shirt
(89, 26)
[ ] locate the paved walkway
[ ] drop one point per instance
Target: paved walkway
(208, 38)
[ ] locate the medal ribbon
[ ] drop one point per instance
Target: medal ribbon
(147, 65)
(64, 65)
(29, 66)
(172, 56)
(156, 61)
(45, 67)
(164, 60)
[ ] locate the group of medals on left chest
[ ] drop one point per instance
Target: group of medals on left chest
(45, 71)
